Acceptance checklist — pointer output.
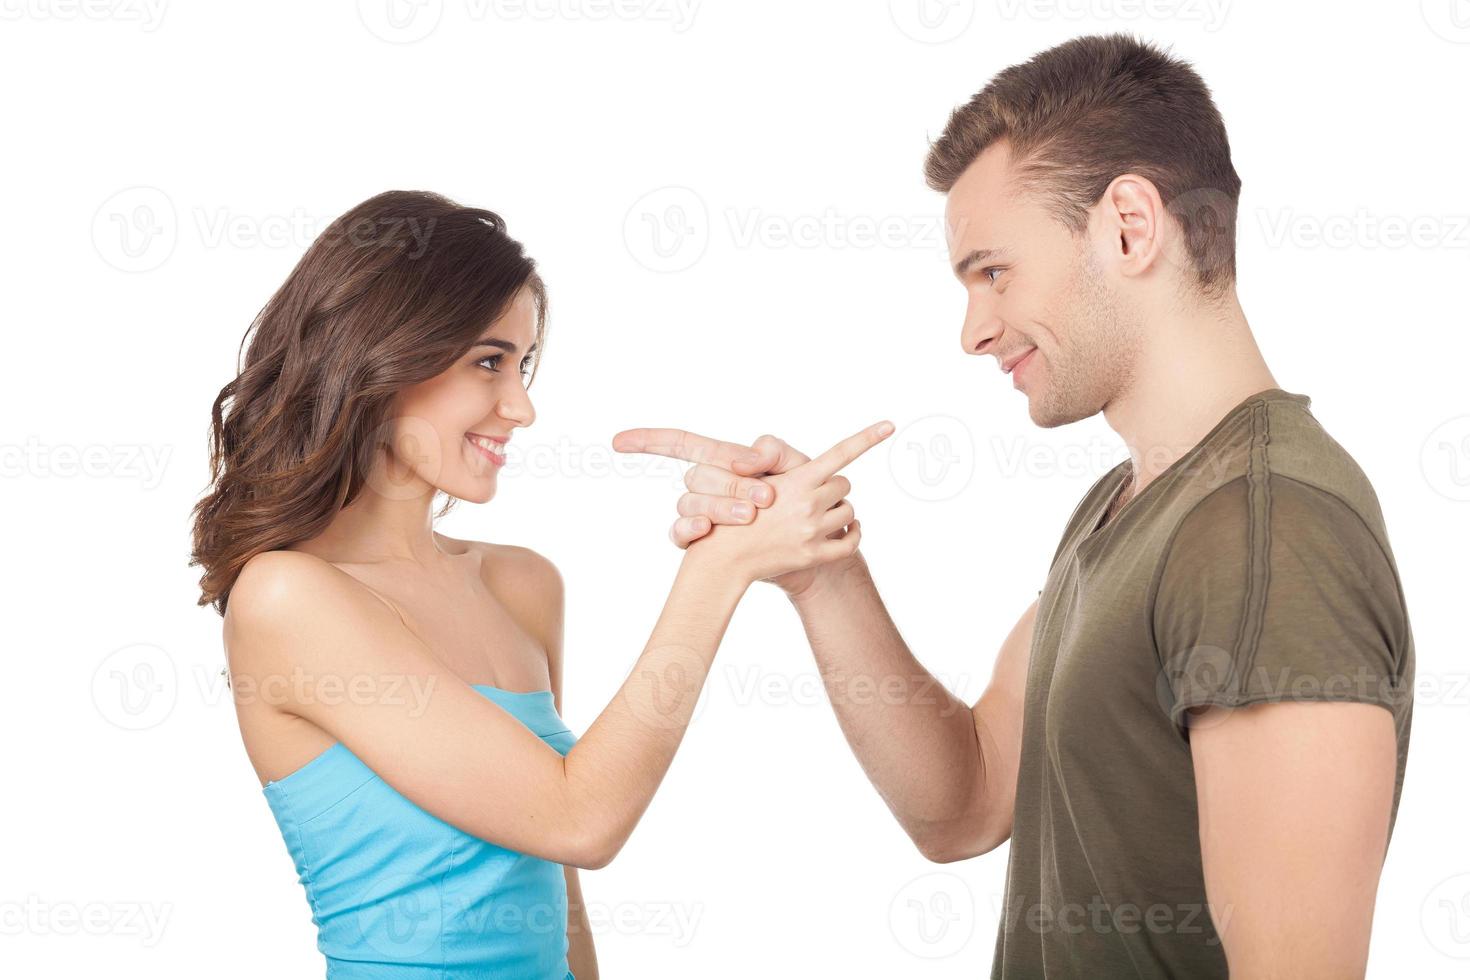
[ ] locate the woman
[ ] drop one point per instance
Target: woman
(398, 691)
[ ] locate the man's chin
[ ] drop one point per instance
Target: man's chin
(1040, 412)
(1046, 421)
(1047, 415)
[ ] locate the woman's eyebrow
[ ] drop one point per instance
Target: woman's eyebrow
(504, 345)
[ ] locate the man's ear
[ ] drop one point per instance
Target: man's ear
(1133, 216)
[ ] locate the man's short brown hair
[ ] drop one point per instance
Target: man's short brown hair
(1080, 114)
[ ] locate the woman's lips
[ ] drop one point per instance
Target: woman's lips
(481, 446)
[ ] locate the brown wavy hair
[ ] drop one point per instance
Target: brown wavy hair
(391, 294)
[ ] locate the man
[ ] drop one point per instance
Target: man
(1195, 737)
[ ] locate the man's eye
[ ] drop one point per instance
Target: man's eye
(991, 271)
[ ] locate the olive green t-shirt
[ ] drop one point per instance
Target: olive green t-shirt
(1256, 568)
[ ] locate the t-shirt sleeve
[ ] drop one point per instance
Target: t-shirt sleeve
(1277, 591)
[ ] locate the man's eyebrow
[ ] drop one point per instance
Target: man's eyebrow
(974, 258)
(504, 345)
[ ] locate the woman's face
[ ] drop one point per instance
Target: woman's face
(450, 431)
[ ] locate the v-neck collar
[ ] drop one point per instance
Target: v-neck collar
(1125, 469)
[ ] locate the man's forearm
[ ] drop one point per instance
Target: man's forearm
(916, 741)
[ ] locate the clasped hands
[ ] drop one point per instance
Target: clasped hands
(767, 509)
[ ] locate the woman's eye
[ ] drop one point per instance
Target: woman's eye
(492, 363)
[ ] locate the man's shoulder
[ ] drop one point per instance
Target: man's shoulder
(1300, 449)
(1280, 450)
(1289, 490)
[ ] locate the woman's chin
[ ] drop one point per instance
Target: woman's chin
(483, 493)
(477, 480)
(474, 490)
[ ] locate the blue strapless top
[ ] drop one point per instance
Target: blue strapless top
(398, 894)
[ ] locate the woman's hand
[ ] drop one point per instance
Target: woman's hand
(809, 523)
(730, 484)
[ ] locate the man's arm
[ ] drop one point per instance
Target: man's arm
(1289, 688)
(947, 771)
(1292, 895)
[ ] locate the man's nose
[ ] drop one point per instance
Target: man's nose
(982, 326)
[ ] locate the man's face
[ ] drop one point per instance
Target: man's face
(1040, 298)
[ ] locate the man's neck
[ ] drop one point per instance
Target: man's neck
(1193, 368)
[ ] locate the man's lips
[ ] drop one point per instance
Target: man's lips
(1010, 363)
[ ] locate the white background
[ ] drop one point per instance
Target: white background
(166, 167)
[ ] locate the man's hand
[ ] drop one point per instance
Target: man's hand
(724, 487)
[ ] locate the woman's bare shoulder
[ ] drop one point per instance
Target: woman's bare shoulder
(528, 584)
(275, 578)
(513, 565)
(291, 592)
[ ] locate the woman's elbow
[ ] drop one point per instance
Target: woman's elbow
(595, 849)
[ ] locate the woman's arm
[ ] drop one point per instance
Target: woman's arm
(345, 662)
(549, 590)
(581, 955)
(306, 633)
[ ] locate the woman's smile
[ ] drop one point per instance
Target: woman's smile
(490, 447)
